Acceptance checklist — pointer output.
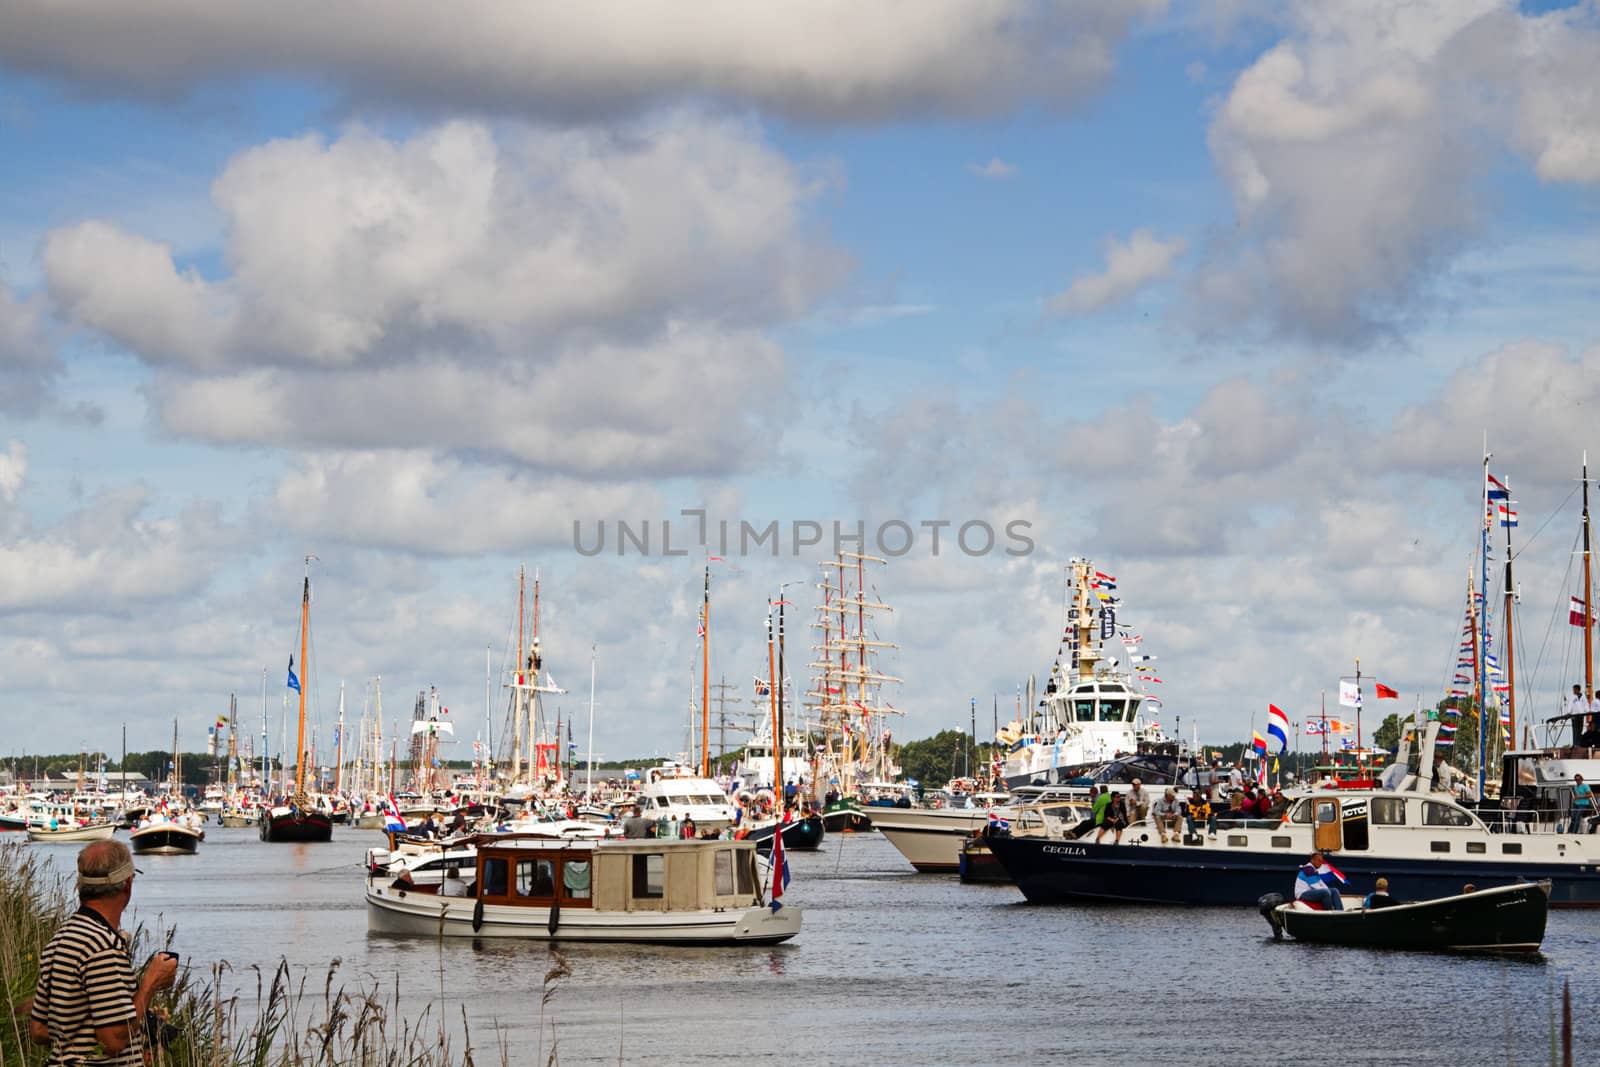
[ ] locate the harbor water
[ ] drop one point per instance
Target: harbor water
(891, 967)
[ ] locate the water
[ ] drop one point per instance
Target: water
(891, 967)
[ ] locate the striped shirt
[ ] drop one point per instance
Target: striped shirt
(86, 981)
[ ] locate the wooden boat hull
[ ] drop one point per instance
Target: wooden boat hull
(235, 820)
(1049, 871)
(164, 841)
(1505, 919)
(296, 827)
(97, 832)
(391, 911)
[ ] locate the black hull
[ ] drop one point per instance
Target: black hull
(163, 842)
(801, 835)
(314, 827)
(979, 866)
(846, 821)
(1511, 919)
(1064, 872)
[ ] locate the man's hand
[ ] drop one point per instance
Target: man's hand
(161, 972)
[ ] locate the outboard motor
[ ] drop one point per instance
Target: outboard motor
(1268, 906)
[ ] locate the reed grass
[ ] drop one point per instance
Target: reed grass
(292, 1023)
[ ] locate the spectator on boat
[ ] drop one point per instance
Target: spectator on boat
(1167, 812)
(1468, 888)
(1315, 883)
(1116, 818)
(89, 1005)
(1379, 897)
(1277, 803)
(453, 886)
(687, 830)
(1100, 801)
(1582, 805)
(1137, 801)
(1200, 811)
(636, 825)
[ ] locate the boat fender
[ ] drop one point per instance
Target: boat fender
(477, 916)
(555, 917)
(1268, 906)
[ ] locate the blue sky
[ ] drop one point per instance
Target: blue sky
(1224, 297)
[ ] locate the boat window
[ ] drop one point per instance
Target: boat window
(536, 878)
(1301, 812)
(1388, 811)
(747, 873)
(1111, 710)
(1477, 846)
(724, 872)
(1438, 846)
(649, 876)
(1327, 813)
(1238, 840)
(1282, 842)
(1437, 814)
(1083, 710)
(575, 879)
(494, 877)
(661, 802)
(1511, 848)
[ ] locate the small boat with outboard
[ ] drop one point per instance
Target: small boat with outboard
(691, 892)
(66, 832)
(1508, 918)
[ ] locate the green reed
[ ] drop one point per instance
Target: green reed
(289, 1024)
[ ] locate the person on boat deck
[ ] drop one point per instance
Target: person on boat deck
(453, 886)
(1138, 802)
(1315, 883)
(636, 825)
(1200, 811)
(1166, 812)
(1100, 801)
(687, 831)
(1379, 897)
(1116, 819)
(1582, 805)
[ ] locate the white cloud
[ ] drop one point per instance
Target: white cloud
(1130, 264)
(584, 301)
(423, 503)
(13, 470)
(831, 60)
(995, 169)
(1355, 151)
(28, 365)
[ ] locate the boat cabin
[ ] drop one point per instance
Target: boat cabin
(615, 876)
(1098, 701)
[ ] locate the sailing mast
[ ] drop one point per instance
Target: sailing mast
(772, 694)
(705, 677)
(518, 696)
(1588, 588)
(1511, 654)
(305, 641)
(338, 747)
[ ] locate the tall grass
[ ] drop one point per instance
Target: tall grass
(290, 1025)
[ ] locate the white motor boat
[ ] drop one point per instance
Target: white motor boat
(675, 792)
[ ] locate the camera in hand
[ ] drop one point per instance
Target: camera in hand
(158, 1031)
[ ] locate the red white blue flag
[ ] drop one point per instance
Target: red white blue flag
(780, 868)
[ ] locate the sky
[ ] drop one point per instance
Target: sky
(1225, 297)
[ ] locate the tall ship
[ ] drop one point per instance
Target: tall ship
(298, 817)
(1094, 707)
(845, 697)
(529, 764)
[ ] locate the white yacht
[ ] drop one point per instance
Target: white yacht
(674, 791)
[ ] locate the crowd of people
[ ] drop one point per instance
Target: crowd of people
(1113, 812)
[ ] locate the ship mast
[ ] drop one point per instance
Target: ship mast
(1511, 654)
(338, 747)
(305, 640)
(517, 695)
(705, 676)
(1588, 587)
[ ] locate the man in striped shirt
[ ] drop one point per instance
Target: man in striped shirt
(89, 1008)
